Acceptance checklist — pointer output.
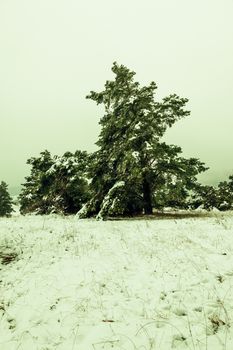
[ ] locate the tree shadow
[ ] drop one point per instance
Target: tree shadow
(173, 215)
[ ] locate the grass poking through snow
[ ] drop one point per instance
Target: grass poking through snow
(128, 284)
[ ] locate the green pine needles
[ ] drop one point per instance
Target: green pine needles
(56, 184)
(5, 200)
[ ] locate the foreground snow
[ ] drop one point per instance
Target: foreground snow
(70, 284)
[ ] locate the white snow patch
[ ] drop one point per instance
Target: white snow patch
(138, 126)
(130, 284)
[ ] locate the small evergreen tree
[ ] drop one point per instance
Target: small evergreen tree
(33, 196)
(56, 184)
(225, 194)
(5, 200)
(205, 197)
(219, 197)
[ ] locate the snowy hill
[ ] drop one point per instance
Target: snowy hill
(71, 284)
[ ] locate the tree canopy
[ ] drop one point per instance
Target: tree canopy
(132, 167)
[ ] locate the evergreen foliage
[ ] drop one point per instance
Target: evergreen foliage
(225, 194)
(131, 152)
(56, 184)
(220, 197)
(5, 200)
(205, 197)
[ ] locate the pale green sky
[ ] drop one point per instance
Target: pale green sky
(53, 52)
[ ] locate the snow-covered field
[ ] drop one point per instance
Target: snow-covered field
(69, 284)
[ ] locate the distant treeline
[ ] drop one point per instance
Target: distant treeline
(133, 171)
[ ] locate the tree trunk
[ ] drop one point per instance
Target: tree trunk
(147, 197)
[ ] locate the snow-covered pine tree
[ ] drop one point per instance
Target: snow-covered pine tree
(69, 190)
(5, 200)
(225, 194)
(56, 184)
(205, 197)
(130, 151)
(219, 197)
(34, 193)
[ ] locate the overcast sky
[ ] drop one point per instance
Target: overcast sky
(53, 52)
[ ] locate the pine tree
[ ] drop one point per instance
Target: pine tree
(219, 197)
(34, 194)
(206, 197)
(130, 150)
(56, 184)
(5, 200)
(225, 194)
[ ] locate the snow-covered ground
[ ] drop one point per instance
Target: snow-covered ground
(69, 284)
